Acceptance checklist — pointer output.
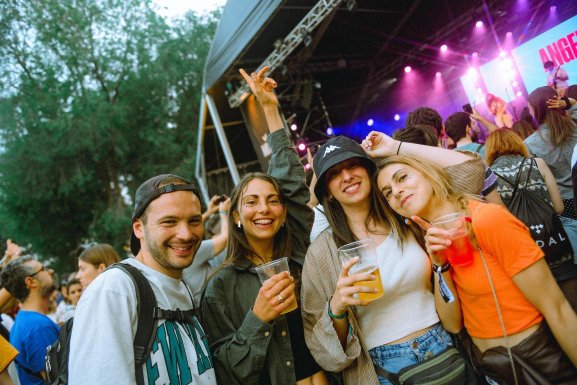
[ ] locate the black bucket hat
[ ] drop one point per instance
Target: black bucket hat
(334, 151)
(149, 191)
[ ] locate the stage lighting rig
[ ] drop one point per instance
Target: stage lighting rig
(351, 5)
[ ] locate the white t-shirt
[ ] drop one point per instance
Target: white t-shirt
(64, 311)
(101, 345)
(320, 224)
(408, 303)
(204, 263)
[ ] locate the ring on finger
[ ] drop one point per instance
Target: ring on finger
(280, 299)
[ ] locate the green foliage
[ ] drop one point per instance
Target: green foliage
(95, 97)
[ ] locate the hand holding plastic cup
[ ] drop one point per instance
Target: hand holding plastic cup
(460, 253)
(272, 268)
(366, 251)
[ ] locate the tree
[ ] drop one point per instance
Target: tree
(96, 97)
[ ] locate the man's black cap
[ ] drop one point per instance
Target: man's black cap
(149, 191)
(334, 151)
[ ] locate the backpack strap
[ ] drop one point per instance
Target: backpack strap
(479, 148)
(147, 321)
(516, 185)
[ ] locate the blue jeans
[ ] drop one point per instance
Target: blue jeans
(570, 226)
(395, 357)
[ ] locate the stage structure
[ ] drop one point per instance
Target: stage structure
(339, 68)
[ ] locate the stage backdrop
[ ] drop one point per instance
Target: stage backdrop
(520, 71)
(559, 44)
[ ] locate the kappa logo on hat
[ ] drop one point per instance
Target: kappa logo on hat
(330, 149)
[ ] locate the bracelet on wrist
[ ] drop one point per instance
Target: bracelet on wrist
(223, 212)
(337, 316)
(399, 148)
(441, 269)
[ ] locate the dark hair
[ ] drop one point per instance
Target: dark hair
(548, 64)
(419, 134)
(238, 247)
(425, 115)
(456, 125)
(379, 212)
(72, 282)
(571, 91)
(522, 128)
(527, 117)
(13, 277)
(100, 253)
(561, 126)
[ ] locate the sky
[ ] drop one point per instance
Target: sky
(172, 8)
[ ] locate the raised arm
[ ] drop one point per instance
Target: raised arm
(262, 88)
(380, 145)
(211, 209)
(480, 118)
(285, 165)
(219, 240)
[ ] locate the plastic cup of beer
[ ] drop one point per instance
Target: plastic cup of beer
(366, 251)
(272, 268)
(460, 253)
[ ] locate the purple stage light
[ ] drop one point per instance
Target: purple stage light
(502, 54)
(479, 24)
(308, 166)
(438, 74)
(475, 54)
(509, 34)
(444, 48)
(302, 146)
(519, 93)
(408, 69)
(370, 122)
(330, 131)
(515, 84)
(294, 127)
(397, 117)
(553, 8)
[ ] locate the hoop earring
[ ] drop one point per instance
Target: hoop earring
(331, 199)
(407, 221)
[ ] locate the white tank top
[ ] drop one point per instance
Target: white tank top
(408, 304)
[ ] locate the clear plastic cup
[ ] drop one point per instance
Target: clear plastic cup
(366, 250)
(272, 268)
(460, 253)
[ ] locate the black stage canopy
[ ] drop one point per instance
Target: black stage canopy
(346, 69)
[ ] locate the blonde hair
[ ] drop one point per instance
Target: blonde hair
(100, 253)
(440, 183)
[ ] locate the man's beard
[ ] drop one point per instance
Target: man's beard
(47, 290)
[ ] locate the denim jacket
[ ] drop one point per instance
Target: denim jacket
(245, 349)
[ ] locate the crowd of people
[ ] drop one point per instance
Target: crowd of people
(506, 315)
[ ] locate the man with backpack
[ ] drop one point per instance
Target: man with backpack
(32, 284)
(166, 232)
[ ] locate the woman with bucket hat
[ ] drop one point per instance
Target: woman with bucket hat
(349, 335)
